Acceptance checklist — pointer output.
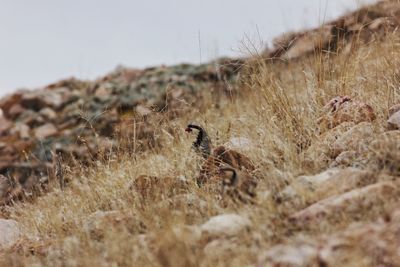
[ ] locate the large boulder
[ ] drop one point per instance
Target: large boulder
(327, 183)
(349, 202)
(356, 139)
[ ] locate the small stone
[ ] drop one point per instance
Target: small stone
(45, 131)
(289, 255)
(48, 113)
(15, 111)
(9, 233)
(22, 130)
(241, 143)
(394, 109)
(394, 120)
(225, 225)
(102, 92)
(5, 125)
(143, 110)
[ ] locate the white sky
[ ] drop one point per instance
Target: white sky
(42, 41)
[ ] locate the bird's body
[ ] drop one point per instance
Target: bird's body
(238, 185)
(215, 158)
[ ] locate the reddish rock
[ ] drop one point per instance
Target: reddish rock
(15, 111)
(328, 183)
(45, 131)
(352, 201)
(8, 101)
(5, 125)
(356, 139)
(343, 109)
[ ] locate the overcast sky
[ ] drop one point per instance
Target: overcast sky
(46, 40)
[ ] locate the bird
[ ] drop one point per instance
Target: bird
(238, 185)
(215, 158)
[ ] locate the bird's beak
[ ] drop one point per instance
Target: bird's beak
(188, 130)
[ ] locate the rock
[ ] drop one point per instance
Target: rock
(102, 92)
(394, 120)
(8, 101)
(45, 131)
(15, 111)
(352, 201)
(290, 256)
(143, 110)
(241, 143)
(344, 109)
(38, 99)
(5, 125)
(9, 233)
(22, 130)
(345, 159)
(319, 154)
(394, 109)
(225, 225)
(48, 113)
(306, 184)
(330, 182)
(308, 43)
(356, 139)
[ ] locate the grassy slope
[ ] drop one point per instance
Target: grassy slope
(278, 112)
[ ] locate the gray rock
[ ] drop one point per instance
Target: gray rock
(225, 225)
(9, 233)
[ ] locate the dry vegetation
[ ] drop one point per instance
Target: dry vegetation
(277, 109)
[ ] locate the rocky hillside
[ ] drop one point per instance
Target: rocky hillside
(298, 164)
(78, 120)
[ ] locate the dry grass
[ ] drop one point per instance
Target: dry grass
(278, 109)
